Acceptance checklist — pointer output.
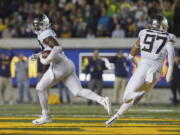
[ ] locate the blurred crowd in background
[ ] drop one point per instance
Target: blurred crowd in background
(86, 18)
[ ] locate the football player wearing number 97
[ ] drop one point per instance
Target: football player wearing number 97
(154, 45)
(61, 69)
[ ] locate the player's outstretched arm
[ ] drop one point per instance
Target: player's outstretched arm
(171, 56)
(134, 51)
(56, 49)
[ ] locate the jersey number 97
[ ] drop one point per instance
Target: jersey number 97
(150, 43)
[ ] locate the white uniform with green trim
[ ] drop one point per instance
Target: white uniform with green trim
(154, 48)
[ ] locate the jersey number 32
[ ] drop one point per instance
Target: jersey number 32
(150, 43)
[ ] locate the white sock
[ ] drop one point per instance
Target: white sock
(43, 98)
(124, 108)
(88, 94)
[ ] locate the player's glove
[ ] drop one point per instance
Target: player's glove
(34, 57)
(133, 60)
(169, 74)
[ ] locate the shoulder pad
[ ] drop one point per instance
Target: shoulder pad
(46, 34)
(142, 32)
(172, 38)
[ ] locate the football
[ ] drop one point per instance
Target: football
(45, 53)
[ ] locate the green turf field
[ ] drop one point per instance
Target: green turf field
(89, 120)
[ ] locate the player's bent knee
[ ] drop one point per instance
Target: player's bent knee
(76, 94)
(127, 100)
(79, 93)
(39, 88)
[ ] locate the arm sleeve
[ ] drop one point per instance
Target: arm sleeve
(46, 34)
(171, 54)
(172, 38)
(141, 33)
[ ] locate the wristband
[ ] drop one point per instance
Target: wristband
(130, 57)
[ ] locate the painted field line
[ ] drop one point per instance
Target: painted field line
(152, 110)
(89, 118)
(88, 128)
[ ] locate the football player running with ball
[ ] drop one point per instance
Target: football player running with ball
(154, 45)
(61, 69)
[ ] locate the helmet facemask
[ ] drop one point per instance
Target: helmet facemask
(164, 25)
(160, 23)
(40, 24)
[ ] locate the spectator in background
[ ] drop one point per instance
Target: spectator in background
(125, 11)
(82, 15)
(177, 19)
(121, 64)
(153, 8)
(89, 16)
(115, 20)
(57, 29)
(175, 82)
(139, 9)
(65, 33)
(22, 32)
(90, 35)
(95, 68)
(28, 27)
(8, 32)
(103, 28)
(168, 11)
(66, 28)
(118, 32)
(64, 90)
(23, 79)
(113, 7)
(131, 27)
(81, 29)
(6, 93)
(142, 23)
(2, 26)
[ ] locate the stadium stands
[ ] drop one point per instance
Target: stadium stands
(85, 18)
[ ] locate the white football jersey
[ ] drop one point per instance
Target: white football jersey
(153, 44)
(47, 33)
(44, 35)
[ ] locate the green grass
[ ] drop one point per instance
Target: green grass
(95, 110)
(163, 116)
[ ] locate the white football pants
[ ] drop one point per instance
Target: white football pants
(63, 72)
(137, 83)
